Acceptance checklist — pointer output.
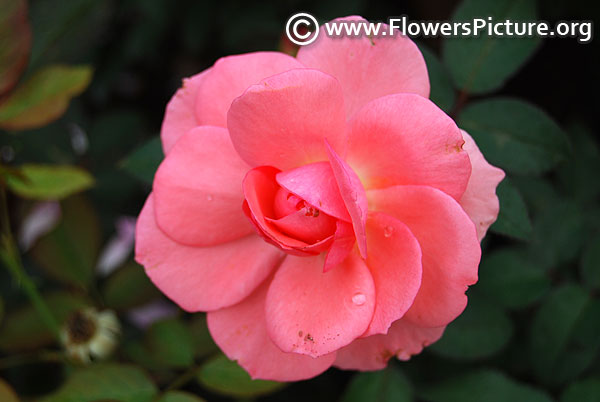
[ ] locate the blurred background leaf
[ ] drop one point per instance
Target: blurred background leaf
(143, 162)
(555, 325)
(44, 97)
(49, 182)
(179, 396)
(483, 386)
(590, 263)
(122, 383)
(15, 43)
(23, 328)
(513, 219)
(587, 390)
(7, 394)
(482, 330)
(511, 280)
(529, 142)
(442, 91)
(128, 287)
(68, 253)
(388, 385)
(224, 376)
(483, 64)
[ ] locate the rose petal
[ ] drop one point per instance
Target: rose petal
(283, 120)
(260, 189)
(180, 115)
(368, 68)
(240, 331)
(406, 139)
(315, 313)
(308, 228)
(353, 195)
(230, 77)
(316, 184)
(395, 264)
(403, 340)
(202, 278)
(198, 190)
(479, 200)
(343, 243)
(449, 245)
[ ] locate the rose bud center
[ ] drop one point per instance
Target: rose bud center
(298, 219)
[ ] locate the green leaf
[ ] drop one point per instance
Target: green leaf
(48, 182)
(587, 390)
(513, 218)
(482, 330)
(583, 346)
(128, 287)
(54, 30)
(68, 253)
(538, 193)
(7, 394)
(590, 264)
(44, 97)
(510, 279)
(553, 326)
(552, 247)
(388, 385)
(203, 342)
(484, 63)
(143, 162)
(106, 382)
(515, 135)
(179, 396)
(27, 330)
(578, 176)
(15, 42)
(442, 91)
(482, 386)
(224, 376)
(170, 343)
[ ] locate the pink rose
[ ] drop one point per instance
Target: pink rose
(320, 208)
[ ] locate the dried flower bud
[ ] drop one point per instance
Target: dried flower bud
(89, 334)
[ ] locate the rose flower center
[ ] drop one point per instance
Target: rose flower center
(298, 219)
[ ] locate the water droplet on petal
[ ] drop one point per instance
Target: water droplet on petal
(209, 197)
(359, 299)
(388, 231)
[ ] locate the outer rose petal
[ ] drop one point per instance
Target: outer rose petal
(479, 200)
(414, 142)
(395, 263)
(283, 121)
(230, 77)
(202, 279)
(368, 68)
(180, 115)
(240, 331)
(315, 313)
(403, 340)
(449, 245)
(198, 192)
